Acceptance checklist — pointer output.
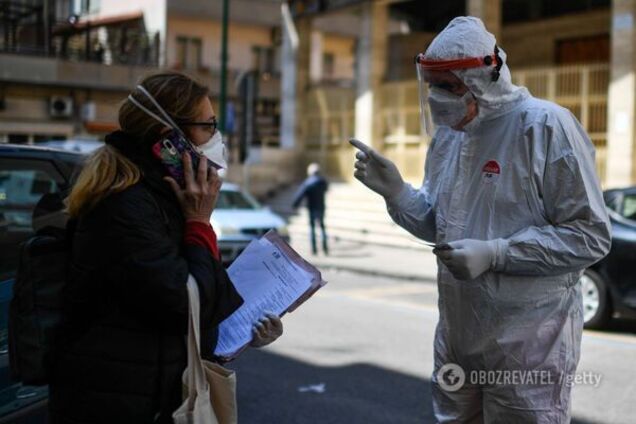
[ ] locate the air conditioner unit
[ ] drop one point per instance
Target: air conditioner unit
(61, 107)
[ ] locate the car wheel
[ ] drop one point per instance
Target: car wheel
(597, 308)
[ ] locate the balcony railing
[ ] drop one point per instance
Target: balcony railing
(583, 89)
(122, 43)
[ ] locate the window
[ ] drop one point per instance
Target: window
(629, 207)
(182, 50)
(583, 50)
(263, 59)
(83, 7)
(23, 185)
(195, 51)
(328, 65)
(230, 199)
(621, 203)
(189, 52)
(267, 130)
(18, 138)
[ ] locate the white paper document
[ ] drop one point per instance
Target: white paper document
(269, 276)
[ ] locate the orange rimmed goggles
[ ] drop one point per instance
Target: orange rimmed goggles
(467, 63)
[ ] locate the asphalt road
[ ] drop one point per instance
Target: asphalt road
(361, 351)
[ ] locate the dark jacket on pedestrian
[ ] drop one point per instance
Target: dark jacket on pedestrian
(314, 189)
(122, 351)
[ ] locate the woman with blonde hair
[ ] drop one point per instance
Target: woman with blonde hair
(137, 235)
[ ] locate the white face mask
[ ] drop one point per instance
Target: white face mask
(214, 149)
(448, 109)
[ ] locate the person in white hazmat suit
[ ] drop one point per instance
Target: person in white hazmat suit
(512, 200)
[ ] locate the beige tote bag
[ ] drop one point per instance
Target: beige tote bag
(210, 388)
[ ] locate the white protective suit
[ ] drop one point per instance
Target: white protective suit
(523, 174)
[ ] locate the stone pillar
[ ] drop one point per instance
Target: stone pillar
(621, 118)
(488, 11)
(370, 69)
(316, 66)
(288, 90)
(303, 62)
(294, 82)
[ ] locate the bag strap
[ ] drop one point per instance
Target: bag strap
(197, 384)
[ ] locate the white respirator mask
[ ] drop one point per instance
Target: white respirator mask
(447, 109)
(214, 149)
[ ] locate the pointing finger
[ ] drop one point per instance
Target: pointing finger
(360, 145)
(362, 156)
(369, 152)
(360, 165)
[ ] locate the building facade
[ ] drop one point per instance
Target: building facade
(306, 75)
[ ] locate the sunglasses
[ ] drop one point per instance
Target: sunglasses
(211, 125)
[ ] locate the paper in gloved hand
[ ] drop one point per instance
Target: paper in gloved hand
(441, 246)
(270, 276)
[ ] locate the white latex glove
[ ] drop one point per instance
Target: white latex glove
(376, 172)
(468, 258)
(266, 330)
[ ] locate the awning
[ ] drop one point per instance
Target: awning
(99, 21)
(101, 126)
(37, 128)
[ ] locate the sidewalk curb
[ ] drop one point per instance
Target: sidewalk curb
(375, 273)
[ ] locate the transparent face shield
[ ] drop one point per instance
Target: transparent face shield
(439, 106)
(426, 119)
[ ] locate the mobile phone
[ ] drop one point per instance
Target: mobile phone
(169, 151)
(441, 246)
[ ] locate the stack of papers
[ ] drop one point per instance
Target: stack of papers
(270, 276)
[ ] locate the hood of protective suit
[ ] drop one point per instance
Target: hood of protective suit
(467, 37)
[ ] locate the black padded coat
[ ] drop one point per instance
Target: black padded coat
(122, 352)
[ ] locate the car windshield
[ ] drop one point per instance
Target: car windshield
(612, 200)
(622, 202)
(629, 206)
(232, 199)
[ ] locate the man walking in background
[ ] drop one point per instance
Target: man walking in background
(314, 189)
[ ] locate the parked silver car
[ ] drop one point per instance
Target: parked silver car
(79, 146)
(238, 219)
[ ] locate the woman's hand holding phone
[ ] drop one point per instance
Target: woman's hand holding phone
(201, 191)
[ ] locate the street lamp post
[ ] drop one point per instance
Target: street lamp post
(223, 82)
(87, 39)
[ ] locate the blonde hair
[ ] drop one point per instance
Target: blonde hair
(108, 171)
